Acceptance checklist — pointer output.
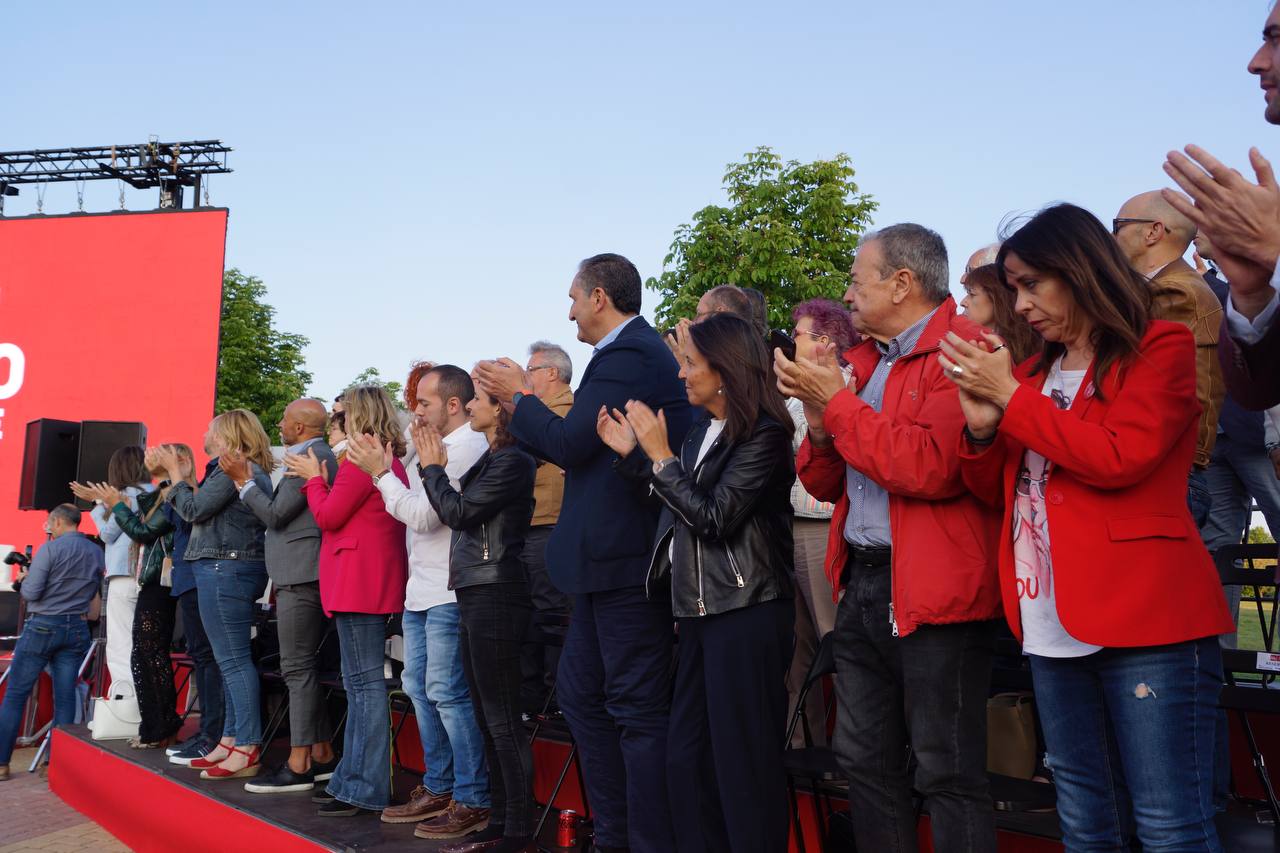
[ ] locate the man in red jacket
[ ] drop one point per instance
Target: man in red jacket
(913, 550)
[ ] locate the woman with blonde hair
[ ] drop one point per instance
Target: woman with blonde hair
(227, 552)
(364, 566)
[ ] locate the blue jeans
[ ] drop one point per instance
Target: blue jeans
(363, 776)
(1199, 498)
(452, 746)
(1238, 474)
(207, 676)
(228, 590)
(1130, 735)
(59, 641)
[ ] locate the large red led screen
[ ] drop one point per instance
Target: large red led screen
(108, 317)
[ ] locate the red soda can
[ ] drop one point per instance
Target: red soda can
(567, 829)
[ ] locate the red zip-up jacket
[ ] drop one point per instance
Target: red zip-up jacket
(1129, 568)
(944, 539)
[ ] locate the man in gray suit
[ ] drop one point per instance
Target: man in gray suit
(293, 562)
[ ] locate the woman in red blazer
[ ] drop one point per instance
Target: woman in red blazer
(363, 571)
(1103, 575)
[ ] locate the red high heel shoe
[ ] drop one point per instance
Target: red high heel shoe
(205, 763)
(250, 769)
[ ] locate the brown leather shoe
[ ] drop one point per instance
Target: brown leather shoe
(4, 772)
(422, 805)
(454, 822)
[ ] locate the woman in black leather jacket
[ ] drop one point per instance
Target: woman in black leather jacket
(724, 540)
(489, 518)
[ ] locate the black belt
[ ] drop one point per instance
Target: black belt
(869, 558)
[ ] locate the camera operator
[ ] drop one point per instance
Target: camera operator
(58, 587)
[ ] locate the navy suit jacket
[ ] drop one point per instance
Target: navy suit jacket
(605, 532)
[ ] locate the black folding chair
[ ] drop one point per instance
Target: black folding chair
(1252, 676)
(548, 630)
(816, 764)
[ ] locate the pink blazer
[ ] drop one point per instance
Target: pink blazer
(363, 562)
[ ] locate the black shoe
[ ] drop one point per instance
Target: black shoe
(282, 781)
(323, 770)
(322, 796)
(188, 754)
(190, 742)
(337, 808)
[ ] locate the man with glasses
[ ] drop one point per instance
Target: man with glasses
(550, 371)
(1154, 237)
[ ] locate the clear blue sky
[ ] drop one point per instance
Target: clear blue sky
(476, 152)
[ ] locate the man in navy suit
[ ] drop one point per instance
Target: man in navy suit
(614, 678)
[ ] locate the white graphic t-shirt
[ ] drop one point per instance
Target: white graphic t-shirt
(1042, 631)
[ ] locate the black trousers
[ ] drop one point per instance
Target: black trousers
(207, 675)
(927, 690)
(152, 666)
(493, 619)
(540, 661)
(728, 720)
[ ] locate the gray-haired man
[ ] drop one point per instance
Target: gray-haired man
(550, 372)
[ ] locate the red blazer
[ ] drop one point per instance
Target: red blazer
(364, 564)
(1128, 565)
(944, 538)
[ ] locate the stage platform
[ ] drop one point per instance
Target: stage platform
(152, 805)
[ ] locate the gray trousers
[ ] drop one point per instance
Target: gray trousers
(301, 624)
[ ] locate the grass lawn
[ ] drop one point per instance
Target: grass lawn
(1250, 636)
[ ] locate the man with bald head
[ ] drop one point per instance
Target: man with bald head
(293, 563)
(982, 257)
(725, 298)
(1154, 236)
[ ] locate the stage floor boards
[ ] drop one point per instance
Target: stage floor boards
(89, 770)
(291, 812)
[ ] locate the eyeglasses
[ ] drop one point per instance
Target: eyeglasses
(1120, 222)
(815, 335)
(540, 367)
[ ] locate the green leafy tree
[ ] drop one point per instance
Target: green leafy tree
(790, 232)
(260, 368)
(371, 376)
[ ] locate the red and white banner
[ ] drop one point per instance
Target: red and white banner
(106, 317)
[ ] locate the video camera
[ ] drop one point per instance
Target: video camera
(22, 561)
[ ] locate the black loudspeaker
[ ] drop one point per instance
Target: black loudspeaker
(49, 458)
(98, 441)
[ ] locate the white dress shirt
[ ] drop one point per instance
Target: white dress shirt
(429, 538)
(1251, 331)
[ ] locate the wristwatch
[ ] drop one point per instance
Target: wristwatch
(378, 476)
(662, 463)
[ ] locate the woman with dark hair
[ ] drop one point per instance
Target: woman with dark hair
(820, 325)
(152, 535)
(1104, 577)
(364, 566)
(489, 516)
(724, 544)
(989, 303)
(127, 473)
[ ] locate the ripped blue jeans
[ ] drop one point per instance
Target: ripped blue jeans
(1130, 736)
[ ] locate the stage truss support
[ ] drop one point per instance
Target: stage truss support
(171, 166)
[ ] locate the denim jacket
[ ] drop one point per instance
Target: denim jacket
(222, 528)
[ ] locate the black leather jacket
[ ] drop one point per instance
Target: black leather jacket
(489, 518)
(730, 520)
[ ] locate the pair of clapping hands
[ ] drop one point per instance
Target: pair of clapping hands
(103, 493)
(981, 369)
